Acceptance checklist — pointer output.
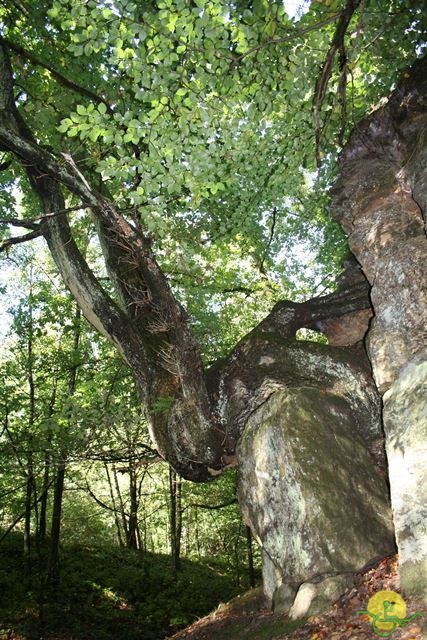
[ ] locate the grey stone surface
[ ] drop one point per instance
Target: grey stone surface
(314, 599)
(405, 423)
(271, 574)
(380, 200)
(309, 488)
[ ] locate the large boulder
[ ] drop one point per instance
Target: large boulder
(311, 480)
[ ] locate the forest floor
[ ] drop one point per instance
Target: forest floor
(105, 593)
(245, 617)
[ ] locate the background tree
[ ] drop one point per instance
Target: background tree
(111, 480)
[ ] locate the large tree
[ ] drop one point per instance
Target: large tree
(180, 133)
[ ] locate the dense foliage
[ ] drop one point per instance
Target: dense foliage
(127, 541)
(212, 129)
(200, 120)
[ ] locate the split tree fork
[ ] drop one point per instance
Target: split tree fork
(149, 327)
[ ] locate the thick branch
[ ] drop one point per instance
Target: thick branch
(45, 173)
(32, 223)
(10, 242)
(21, 222)
(288, 316)
(153, 333)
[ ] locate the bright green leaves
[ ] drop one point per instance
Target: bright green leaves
(203, 126)
(86, 122)
(215, 187)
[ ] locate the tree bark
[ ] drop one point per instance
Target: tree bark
(115, 508)
(46, 472)
(150, 328)
(249, 548)
(132, 540)
(53, 572)
(175, 519)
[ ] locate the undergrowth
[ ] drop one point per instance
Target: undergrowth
(105, 592)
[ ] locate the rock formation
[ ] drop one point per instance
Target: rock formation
(380, 200)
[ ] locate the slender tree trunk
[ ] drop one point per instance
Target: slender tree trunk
(46, 472)
(114, 504)
(237, 555)
(122, 506)
(30, 485)
(53, 574)
(179, 516)
(196, 532)
(53, 564)
(175, 518)
(132, 539)
(43, 504)
(28, 508)
(144, 530)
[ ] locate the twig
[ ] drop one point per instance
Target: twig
(322, 82)
(288, 38)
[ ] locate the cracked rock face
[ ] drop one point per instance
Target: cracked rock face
(309, 486)
(405, 408)
(380, 200)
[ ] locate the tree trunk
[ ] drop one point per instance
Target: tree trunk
(123, 515)
(41, 533)
(46, 472)
(115, 508)
(30, 484)
(251, 572)
(53, 573)
(28, 507)
(132, 540)
(175, 519)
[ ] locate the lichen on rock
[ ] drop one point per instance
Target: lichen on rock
(308, 485)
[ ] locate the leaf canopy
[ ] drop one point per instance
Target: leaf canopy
(205, 122)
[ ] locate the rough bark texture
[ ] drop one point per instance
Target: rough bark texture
(380, 200)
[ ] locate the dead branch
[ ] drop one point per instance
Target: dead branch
(6, 244)
(324, 76)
